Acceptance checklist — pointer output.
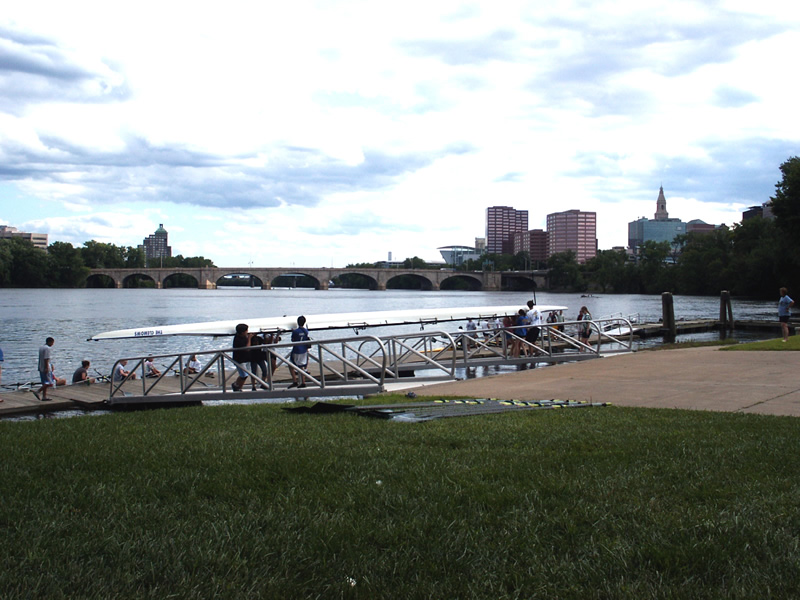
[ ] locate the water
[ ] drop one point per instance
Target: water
(71, 316)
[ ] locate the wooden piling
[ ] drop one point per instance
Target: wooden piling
(725, 311)
(668, 317)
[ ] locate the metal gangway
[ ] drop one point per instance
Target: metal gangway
(362, 364)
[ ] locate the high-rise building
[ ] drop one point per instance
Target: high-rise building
(538, 245)
(534, 242)
(660, 229)
(39, 240)
(572, 230)
(156, 245)
(501, 223)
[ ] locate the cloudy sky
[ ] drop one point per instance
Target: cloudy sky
(323, 133)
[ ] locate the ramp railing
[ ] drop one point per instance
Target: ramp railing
(333, 365)
(363, 364)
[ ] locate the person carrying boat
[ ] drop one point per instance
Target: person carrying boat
(299, 354)
(258, 359)
(241, 355)
(535, 321)
(584, 329)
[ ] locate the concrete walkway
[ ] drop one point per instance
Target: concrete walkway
(693, 378)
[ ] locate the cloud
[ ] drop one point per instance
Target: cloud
(731, 97)
(145, 172)
(598, 57)
(34, 69)
(497, 45)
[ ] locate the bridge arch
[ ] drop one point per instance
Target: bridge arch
(412, 281)
(461, 281)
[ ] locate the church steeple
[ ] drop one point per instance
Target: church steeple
(661, 206)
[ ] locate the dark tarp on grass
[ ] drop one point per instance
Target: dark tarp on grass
(437, 409)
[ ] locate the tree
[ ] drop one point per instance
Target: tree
(656, 275)
(23, 264)
(97, 255)
(786, 202)
(565, 272)
(65, 266)
(705, 263)
(415, 263)
(606, 269)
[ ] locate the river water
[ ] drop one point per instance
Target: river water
(73, 315)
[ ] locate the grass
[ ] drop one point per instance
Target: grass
(252, 501)
(767, 345)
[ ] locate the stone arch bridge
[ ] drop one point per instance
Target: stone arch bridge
(209, 277)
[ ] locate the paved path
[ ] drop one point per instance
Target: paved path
(693, 378)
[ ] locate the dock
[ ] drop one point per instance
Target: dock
(339, 374)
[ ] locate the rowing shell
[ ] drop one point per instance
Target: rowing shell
(357, 321)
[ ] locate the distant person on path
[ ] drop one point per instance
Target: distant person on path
(241, 354)
(784, 312)
(81, 374)
(299, 355)
(120, 372)
(1, 368)
(584, 329)
(45, 369)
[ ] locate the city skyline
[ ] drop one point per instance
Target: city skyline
(326, 134)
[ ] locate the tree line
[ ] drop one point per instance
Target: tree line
(66, 266)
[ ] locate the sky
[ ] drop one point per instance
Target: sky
(325, 133)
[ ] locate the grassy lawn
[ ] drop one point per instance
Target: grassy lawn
(252, 501)
(777, 344)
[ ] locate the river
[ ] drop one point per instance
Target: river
(71, 316)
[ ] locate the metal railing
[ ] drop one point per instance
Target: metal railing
(363, 364)
(333, 366)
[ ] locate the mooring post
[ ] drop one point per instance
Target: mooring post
(668, 316)
(725, 311)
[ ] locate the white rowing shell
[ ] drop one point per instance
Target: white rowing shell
(359, 320)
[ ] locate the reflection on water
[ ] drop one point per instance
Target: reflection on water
(27, 317)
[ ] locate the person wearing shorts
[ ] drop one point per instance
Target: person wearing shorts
(784, 312)
(299, 355)
(45, 371)
(241, 355)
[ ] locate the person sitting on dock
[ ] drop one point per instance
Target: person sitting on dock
(81, 374)
(150, 368)
(193, 365)
(299, 354)
(120, 373)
